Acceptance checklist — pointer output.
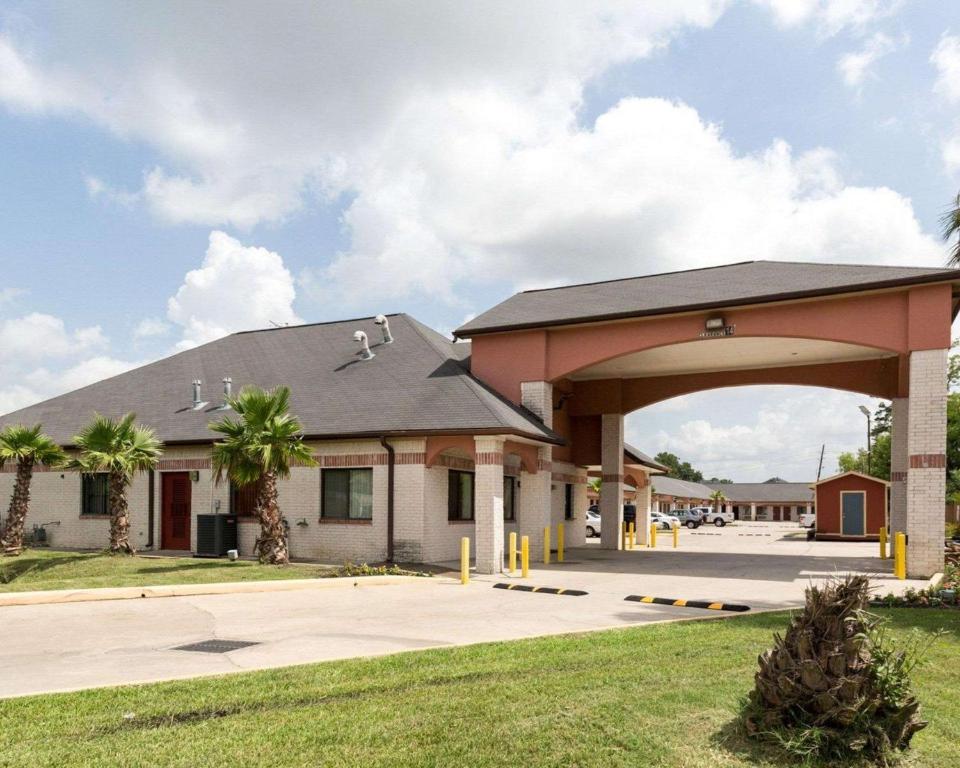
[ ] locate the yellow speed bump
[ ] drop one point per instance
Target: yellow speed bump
(680, 603)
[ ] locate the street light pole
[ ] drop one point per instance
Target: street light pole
(866, 412)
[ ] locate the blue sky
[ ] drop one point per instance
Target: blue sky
(185, 172)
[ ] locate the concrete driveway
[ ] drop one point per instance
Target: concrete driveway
(47, 648)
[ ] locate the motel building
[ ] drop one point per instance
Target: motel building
(765, 502)
(424, 440)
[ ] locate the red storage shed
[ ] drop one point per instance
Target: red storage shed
(851, 507)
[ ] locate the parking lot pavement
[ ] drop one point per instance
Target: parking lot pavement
(77, 645)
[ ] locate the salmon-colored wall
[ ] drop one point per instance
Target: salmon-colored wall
(828, 504)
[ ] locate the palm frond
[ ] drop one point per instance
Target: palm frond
(950, 228)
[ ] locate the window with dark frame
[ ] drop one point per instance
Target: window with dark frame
(243, 499)
(460, 495)
(346, 494)
(568, 501)
(94, 494)
(509, 497)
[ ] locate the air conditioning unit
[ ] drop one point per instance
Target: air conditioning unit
(216, 534)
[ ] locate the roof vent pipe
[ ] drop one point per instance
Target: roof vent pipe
(365, 353)
(197, 402)
(227, 391)
(384, 324)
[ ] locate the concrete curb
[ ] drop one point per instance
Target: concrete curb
(184, 590)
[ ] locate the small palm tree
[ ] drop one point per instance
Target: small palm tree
(259, 447)
(27, 446)
(122, 449)
(717, 497)
(950, 228)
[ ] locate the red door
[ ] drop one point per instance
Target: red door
(776, 514)
(175, 516)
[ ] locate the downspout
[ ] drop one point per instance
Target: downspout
(150, 490)
(391, 458)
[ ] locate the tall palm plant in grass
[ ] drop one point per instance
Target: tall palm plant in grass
(28, 447)
(950, 228)
(717, 497)
(259, 446)
(122, 449)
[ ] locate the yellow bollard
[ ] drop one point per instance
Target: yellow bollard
(676, 536)
(524, 556)
(513, 552)
(883, 543)
(546, 545)
(465, 560)
(653, 536)
(900, 556)
(559, 542)
(623, 535)
(650, 536)
(632, 535)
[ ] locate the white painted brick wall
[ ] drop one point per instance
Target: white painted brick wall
(611, 491)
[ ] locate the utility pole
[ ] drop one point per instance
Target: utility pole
(820, 468)
(866, 412)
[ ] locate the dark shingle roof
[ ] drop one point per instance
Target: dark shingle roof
(712, 287)
(685, 489)
(641, 458)
(765, 493)
(418, 384)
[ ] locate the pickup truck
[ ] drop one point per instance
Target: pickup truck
(718, 517)
(808, 519)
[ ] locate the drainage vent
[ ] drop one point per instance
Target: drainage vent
(216, 646)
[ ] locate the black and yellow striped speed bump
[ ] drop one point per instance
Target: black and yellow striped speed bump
(687, 603)
(540, 590)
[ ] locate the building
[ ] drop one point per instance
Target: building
(499, 431)
(772, 502)
(851, 506)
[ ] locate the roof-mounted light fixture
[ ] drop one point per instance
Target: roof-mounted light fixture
(361, 338)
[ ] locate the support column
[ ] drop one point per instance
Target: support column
(488, 504)
(535, 488)
(644, 504)
(611, 491)
(899, 464)
(926, 473)
(753, 511)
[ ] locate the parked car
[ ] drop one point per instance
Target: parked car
(689, 517)
(667, 522)
(718, 517)
(593, 522)
(808, 519)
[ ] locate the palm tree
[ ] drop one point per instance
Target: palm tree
(122, 449)
(717, 497)
(27, 446)
(259, 447)
(950, 224)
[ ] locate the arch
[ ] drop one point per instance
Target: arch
(529, 455)
(437, 444)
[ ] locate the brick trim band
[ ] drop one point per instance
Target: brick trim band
(453, 462)
(353, 460)
(928, 461)
(166, 465)
(560, 477)
(898, 477)
(544, 466)
(611, 478)
(487, 458)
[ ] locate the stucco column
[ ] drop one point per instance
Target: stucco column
(611, 491)
(488, 504)
(535, 497)
(753, 510)
(926, 473)
(899, 463)
(644, 504)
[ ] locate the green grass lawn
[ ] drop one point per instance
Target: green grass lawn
(41, 569)
(660, 695)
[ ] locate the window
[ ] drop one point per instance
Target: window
(568, 501)
(509, 497)
(95, 489)
(460, 495)
(347, 494)
(243, 499)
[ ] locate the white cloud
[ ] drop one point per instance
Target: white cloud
(831, 16)
(39, 336)
(763, 431)
(856, 66)
(150, 326)
(946, 59)
(236, 288)
(7, 295)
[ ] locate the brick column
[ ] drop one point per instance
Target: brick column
(488, 504)
(753, 511)
(611, 490)
(926, 474)
(537, 397)
(534, 512)
(899, 463)
(644, 505)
